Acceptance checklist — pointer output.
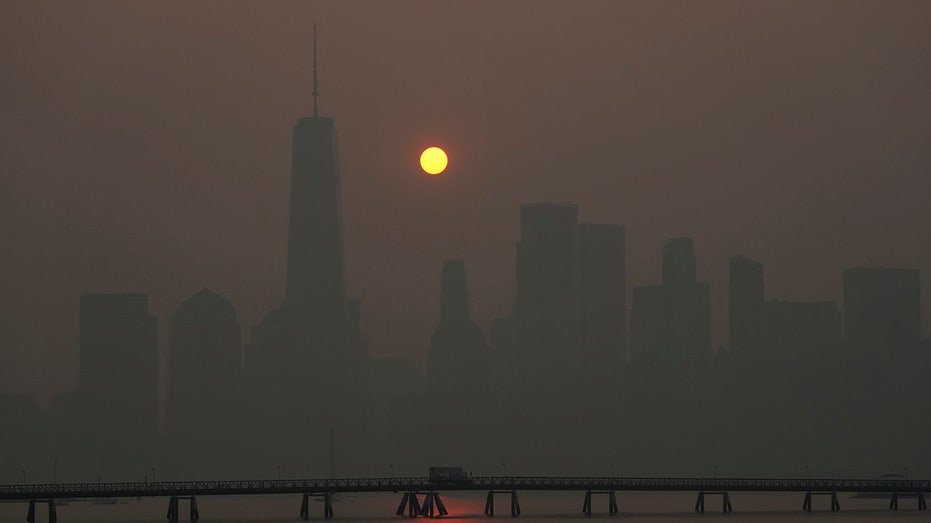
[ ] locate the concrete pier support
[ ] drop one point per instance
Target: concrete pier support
(440, 506)
(305, 506)
(403, 505)
(922, 502)
(411, 504)
(490, 502)
(433, 506)
(52, 510)
(612, 502)
(429, 506)
(172, 509)
(806, 505)
(726, 506)
(328, 505)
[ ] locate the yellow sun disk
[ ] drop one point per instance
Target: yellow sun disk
(433, 160)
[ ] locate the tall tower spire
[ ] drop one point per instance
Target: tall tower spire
(315, 92)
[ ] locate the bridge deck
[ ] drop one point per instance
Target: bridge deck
(285, 486)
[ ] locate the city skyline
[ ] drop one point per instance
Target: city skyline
(175, 223)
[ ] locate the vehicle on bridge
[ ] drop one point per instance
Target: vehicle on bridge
(449, 476)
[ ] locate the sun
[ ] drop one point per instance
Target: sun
(433, 160)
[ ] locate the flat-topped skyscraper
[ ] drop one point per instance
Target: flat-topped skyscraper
(306, 362)
(316, 281)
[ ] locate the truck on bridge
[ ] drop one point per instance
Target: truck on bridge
(449, 476)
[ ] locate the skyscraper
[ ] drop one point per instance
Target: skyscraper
(545, 314)
(457, 362)
(603, 295)
(671, 323)
(882, 309)
(204, 371)
(687, 305)
(799, 328)
(118, 374)
(647, 325)
(315, 280)
(745, 304)
(306, 362)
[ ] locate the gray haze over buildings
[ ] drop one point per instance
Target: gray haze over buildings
(148, 154)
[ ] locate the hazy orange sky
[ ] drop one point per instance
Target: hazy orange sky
(146, 147)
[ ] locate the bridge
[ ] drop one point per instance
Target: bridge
(432, 504)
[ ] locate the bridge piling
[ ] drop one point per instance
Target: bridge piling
(52, 511)
(31, 513)
(587, 503)
(413, 506)
(173, 509)
(922, 503)
(440, 506)
(328, 505)
(305, 507)
(726, 506)
(403, 505)
(428, 505)
(894, 501)
(835, 504)
(490, 502)
(195, 514)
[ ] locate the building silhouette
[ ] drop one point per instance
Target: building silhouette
(798, 328)
(204, 381)
(315, 278)
(303, 353)
(688, 305)
(603, 297)
(882, 309)
(118, 379)
(671, 323)
(545, 314)
(647, 325)
(457, 361)
(745, 305)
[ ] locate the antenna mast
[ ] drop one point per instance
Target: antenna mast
(315, 92)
